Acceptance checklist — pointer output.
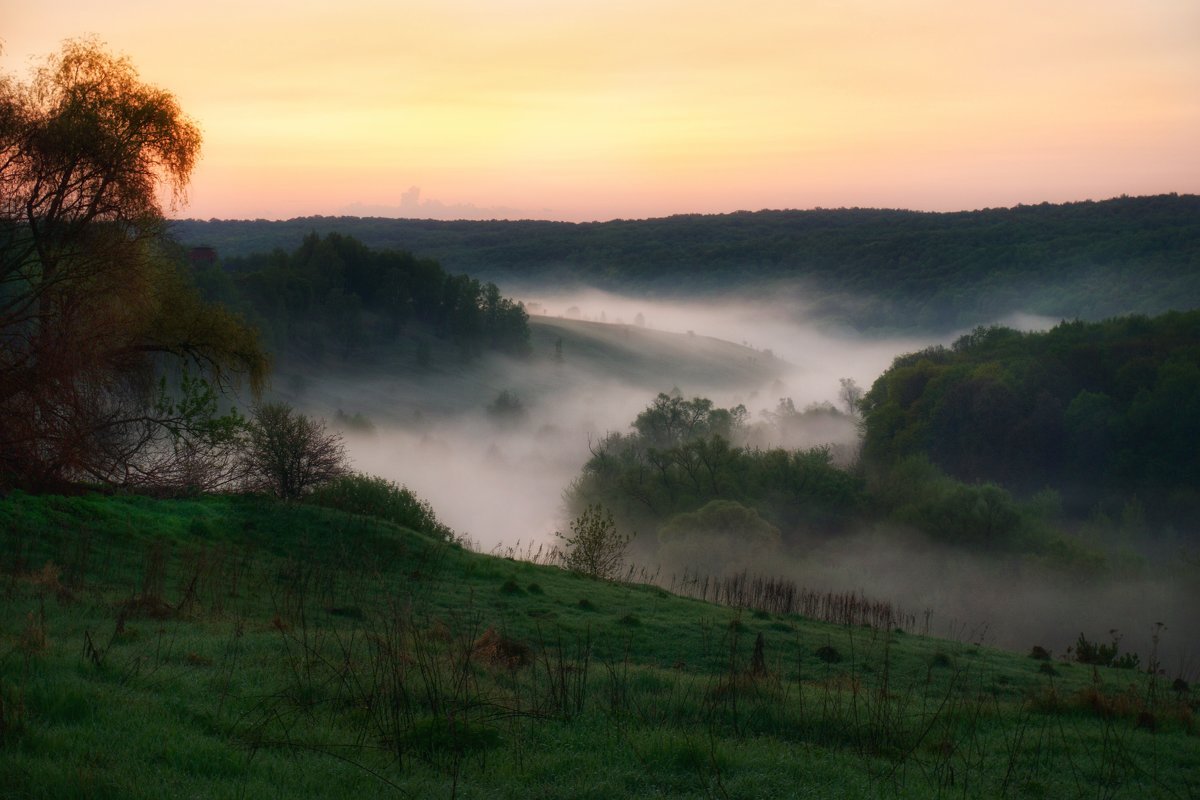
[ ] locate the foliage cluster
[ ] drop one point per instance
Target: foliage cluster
(335, 289)
(288, 454)
(594, 546)
(111, 365)
(681, 457)
(507, 410)
(380, 498)
(1102, 412)
(718, 505)
(1104, 655)
(941, 271)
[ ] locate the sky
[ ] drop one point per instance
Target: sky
(602, 109)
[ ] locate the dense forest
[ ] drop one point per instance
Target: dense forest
(684, 454)
(333, 292)
(696, 493)
(1105, 411)
(1089, 260)
(1001, 442)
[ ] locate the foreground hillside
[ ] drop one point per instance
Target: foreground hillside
(235, 647)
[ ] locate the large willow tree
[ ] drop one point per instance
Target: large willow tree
(111, 367)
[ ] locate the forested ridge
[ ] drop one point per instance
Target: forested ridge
(1004, 441)
(1106, 413)
(867, 267)
(335, 294)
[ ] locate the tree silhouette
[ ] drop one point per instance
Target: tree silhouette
(289, 454)
(594, 547)
(94, 314)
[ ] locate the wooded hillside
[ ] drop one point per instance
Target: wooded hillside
(1107, 410)
(869, 268)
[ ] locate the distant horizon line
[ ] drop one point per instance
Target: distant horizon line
(690, 213)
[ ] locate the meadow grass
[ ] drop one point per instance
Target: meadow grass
(239, 647)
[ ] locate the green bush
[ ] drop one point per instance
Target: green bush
(726, 519)
(595, 547)
(376, 497)
(1105, 655)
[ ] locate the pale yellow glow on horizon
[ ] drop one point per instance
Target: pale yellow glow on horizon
(594, 110)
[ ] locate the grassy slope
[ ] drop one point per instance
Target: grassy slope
(240, 648)
(391, 384)
(644, 357)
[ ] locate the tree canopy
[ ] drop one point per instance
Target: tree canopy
(1103, 412)
(719, 503)
(334, 292)
(869, 268)
(108, 356)
(685, 454)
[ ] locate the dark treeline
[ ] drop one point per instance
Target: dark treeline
(335, 292)
(1107, 414)
(1057, 445)
(700, 497)
(941, 270)
(684, 472)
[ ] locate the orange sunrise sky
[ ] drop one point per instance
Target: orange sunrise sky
(596, 110)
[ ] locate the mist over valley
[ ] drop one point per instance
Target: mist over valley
(500, 475)
(864, 502)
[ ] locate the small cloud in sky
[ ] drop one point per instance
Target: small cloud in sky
(411, 206)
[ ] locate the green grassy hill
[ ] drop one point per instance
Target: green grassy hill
(235, 647)
(389, 384)
(648, 358)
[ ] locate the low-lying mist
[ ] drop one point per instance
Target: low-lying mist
(499, 478)
(1015, 602)
(495, 471)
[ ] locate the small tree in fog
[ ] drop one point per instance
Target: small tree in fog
(288, 454)
(507, 410)
(594, 547)
(850, 395)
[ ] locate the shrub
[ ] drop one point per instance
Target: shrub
(595, 547)
(1104, 655)
(497, 649)
(376, 497)
(829, 654)
(722, 518)
(289, 454)
(941, 660)
(507, 411)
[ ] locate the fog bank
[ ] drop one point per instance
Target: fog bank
(599, 359)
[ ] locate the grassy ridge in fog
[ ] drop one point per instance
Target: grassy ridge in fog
(391, 385)
(501, 479)
(243, 648)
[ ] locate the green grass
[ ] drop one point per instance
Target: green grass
(236, 647)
